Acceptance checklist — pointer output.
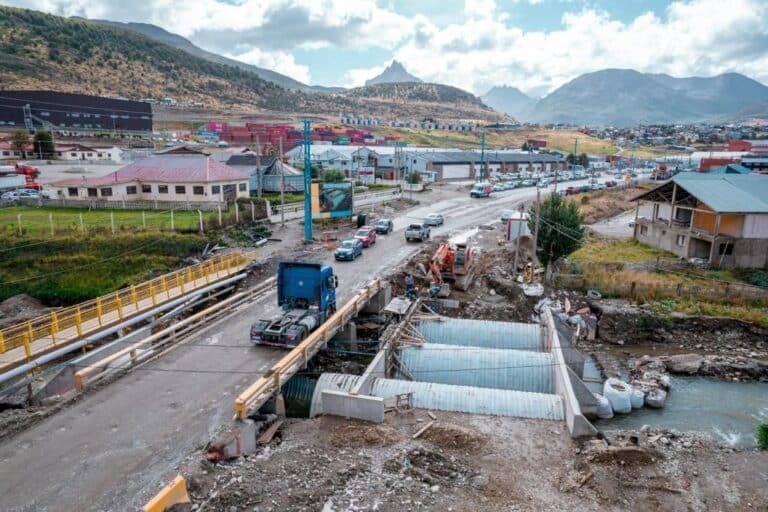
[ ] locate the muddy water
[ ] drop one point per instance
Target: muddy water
(727, 411)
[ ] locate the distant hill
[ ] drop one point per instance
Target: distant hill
(395, 72)
(428, 100)
(624, 97)
(509, 100)
(44, 52)
(163, 36)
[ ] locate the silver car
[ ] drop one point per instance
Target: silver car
(434, 219)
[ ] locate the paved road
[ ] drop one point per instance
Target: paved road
(116, 447)
(619, 225)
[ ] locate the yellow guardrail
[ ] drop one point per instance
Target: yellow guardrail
(158, 290)
(172, 494)
(258, 392)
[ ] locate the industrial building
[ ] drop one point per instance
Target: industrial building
(73, 114)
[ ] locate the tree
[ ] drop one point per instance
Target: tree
(333, 176)
(20, 140)
(43, 144)
(414, 178)
(527, 147)
(560, 231)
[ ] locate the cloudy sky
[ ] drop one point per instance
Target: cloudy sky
(536, 45)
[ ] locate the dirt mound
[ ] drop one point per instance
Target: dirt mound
(19, 308)
(430, 467)
(450, 437)
(364, 435)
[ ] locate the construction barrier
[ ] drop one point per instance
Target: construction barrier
(172, 494)
(260, 391)
(68, 324)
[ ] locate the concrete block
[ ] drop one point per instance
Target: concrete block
(235, 443)
(379, 301)
(362, 407)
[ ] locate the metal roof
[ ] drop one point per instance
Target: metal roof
(162, 169)
(490, 157)
(520, 370)
(482, 333)
(727, 193)
(447, 397)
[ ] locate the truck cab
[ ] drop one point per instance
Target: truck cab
(306, 292)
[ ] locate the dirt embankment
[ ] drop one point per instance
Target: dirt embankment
(467, 462)
(597, 206)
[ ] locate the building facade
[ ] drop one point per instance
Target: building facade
(181, 178)
(719, 218)
(72, 113)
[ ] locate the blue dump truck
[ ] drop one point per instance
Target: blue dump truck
(307, 294)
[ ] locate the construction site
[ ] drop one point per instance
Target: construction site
(448, 375)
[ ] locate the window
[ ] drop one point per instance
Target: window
(181, 189)
(643, 230)
(725, 249)
(162, 189)
(6, 153)
(215, 189)
(90, 154)
(72, 191)
(73, 154)
(106, 192)
(242, 187)
(198, 190)
(45, 114)
(92, 192)
(130, 190)
(146, 189)
(680, 240)
(75, 114)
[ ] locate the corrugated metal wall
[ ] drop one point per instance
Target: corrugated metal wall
(446, 397)
(520, 370)
(496, 402)
(482, 333)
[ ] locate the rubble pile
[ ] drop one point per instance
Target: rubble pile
(734, 368)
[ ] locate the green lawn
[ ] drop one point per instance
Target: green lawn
(64, 270)
(37, 221)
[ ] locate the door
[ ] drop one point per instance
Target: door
(230, 192)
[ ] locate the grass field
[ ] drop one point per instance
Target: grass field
(560, 140)
(68, 269)
(37, 221)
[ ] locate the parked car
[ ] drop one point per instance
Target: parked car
(597, 186)
(572, 191)
(418, 232)
(499, 188)
(384, 226)
(11, 195)
(585, 188)
(610, 184)
(434, 219)
(366, 235)
(618, 176)
(348, 250)
(506, 215)
(543, 183)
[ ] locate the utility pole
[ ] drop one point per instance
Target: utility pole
(258, 168)
(282, 183)
(307, 184)
(538, 217)
(517, 240)
(482, 156)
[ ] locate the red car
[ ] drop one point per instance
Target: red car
(572, 191)
(367, 235)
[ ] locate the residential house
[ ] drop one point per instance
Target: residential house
(182, 178)
(91, 153)
(720, 218)
(267, 171)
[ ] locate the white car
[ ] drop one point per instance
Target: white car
(11, 195)
(434, 219)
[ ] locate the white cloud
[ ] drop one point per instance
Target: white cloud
(277, 61)
(356, 77)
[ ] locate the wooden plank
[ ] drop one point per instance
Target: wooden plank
(423, 429)
(429, 413)
(268, 434)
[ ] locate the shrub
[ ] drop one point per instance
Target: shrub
(584, 199)
(762, 436)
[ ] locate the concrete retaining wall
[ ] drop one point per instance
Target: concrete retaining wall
(347, 405)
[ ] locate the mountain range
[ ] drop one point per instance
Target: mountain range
(509, 100)
(394, 73)
(42, 51)
(624, 97)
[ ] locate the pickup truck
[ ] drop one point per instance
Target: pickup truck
(418, 232)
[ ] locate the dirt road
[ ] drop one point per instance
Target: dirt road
(116, 447)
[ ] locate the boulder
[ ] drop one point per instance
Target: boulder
(684, 363)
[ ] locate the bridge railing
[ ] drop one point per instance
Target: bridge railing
(271, 382)
(112, 307)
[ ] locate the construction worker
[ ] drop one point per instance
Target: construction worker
(528, 276)
(410, 287)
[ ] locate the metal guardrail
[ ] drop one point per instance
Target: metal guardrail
(68, 324)
(260, 391)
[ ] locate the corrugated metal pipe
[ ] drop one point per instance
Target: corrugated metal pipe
(482, 333)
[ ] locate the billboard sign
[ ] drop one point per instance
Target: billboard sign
(332, 200)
